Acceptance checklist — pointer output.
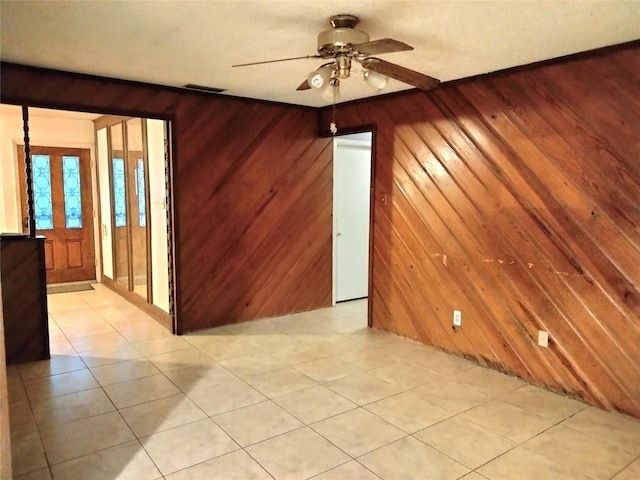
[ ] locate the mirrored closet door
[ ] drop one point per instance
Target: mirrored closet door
(132, 161)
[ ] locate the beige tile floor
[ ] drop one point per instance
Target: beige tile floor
(312, 395)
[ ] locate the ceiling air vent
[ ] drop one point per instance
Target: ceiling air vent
(202, 88)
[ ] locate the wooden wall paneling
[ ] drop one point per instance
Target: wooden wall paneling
(558, 309)
(217, 217)
(253, 206)
(528, 182)
(24, 299)
(261, 243)
(498, 203)
(574, 261)
(84, 92)
(470, 286)
(616, 193)
(593, 202)
(5, 434)
(310, 222)
(555, 182)
(603, 248)
(417, 219)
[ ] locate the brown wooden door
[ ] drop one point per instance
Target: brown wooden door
(63, 210)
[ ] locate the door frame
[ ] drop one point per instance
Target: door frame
(21, 192)
(87, 207)
(28, 101)
(371, 128)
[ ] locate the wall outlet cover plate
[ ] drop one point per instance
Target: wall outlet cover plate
(543, 338)
(457, 318)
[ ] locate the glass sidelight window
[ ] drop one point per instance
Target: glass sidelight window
(72, 191)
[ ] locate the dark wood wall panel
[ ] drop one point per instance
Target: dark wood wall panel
(252, 192)
(259, 191)
(516, 199)
(24, 299)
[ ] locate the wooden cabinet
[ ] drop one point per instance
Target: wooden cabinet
(24, 298)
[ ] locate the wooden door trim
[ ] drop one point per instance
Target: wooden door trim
(127, 202)
(157, 313)
(113, 202)
(147, 201)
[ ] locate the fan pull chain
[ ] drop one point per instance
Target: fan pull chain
(333, 128)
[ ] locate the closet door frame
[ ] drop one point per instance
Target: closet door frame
(146, 303)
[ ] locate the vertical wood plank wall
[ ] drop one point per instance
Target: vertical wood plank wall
(515, 198)
(252, 192)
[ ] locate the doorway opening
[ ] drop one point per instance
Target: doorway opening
(70, 195)
(132, 161)
(352, 187)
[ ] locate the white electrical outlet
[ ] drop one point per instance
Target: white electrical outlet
(457, 318)
(543, 338)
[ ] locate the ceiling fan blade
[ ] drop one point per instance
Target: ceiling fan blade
(304, 86)
(384, 45)
(274, 61)
(417, 79)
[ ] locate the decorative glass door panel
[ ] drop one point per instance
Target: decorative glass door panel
(72, 191)
(42, 201)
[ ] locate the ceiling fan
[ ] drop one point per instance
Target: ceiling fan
(344, 44)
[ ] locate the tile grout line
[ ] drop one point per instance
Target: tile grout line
(522, 444)
(101, 387)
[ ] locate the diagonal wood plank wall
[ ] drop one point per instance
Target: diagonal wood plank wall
(516, 199)
(252, 192)
(254, 204)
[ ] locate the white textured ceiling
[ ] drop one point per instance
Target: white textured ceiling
(178, 42)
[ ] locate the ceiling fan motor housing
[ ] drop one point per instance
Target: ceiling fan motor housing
(342, 36)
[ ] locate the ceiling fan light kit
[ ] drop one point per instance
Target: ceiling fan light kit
(375, 80)
(319, 79)
(344, 44)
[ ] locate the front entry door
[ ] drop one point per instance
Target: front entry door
(63, 210)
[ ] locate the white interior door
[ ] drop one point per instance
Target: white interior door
(351, 204)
